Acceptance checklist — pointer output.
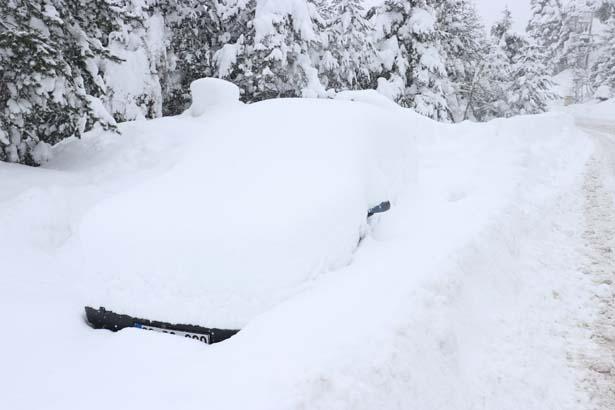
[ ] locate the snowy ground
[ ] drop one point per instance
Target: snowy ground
(599, 238)
(488, 286)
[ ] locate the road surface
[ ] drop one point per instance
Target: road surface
(599, 236)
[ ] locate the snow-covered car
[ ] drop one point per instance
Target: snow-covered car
(241, 205)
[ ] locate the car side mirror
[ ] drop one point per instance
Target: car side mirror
(383, 207)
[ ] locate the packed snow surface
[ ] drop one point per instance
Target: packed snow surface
(466, 295)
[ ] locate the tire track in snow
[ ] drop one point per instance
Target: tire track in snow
(599, 236)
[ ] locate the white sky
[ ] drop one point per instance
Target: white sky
(491, 10)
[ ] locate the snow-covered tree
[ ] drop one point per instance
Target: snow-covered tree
(511, 42)
(194, 27)
(603, 70)
(488, 89)
(232, 61)
(575, 39)
(545, 27)
(135, 84)
(51, 59)
(269, 54)
(514, 78)
(350, 53)
(577, 43)
(531, 87)
(411, 56)
(486, 98)
(605, 10)
(465, 46)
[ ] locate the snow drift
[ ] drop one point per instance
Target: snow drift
(264, 198)
(466, 294)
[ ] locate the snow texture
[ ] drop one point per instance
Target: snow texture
(372, 97)
(468, 293)
(603, 93)
(270, 12)
(212, 93)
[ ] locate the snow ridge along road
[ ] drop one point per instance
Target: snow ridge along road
(599, 192)
(466, 296)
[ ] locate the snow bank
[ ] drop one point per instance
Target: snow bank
(602, 112)
(268, 196)
(212, 93)
(465, 293)
(372, 97)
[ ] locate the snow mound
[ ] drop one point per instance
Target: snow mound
(596, 111)
(603, 93)
(212, 93)
(392, 88)
(264, 197)
(42, 153)
(372, 97)
(460, 294)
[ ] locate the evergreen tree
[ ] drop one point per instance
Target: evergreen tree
(195, 27)
(575, 39)
(503, 26)
(350, 52)
(531, 87)
(51, 56)
(603, 70)
(412, 56)
(273, 53)
(465, 48)
(392, 55)
(605, 10)
(486, 99)
(488, 90)
(140, 43)
(545, 27)
(514, 79)
(232, 61)
(510, 42)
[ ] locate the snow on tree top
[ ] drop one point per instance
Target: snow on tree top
(271, 12)
(422, 22)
